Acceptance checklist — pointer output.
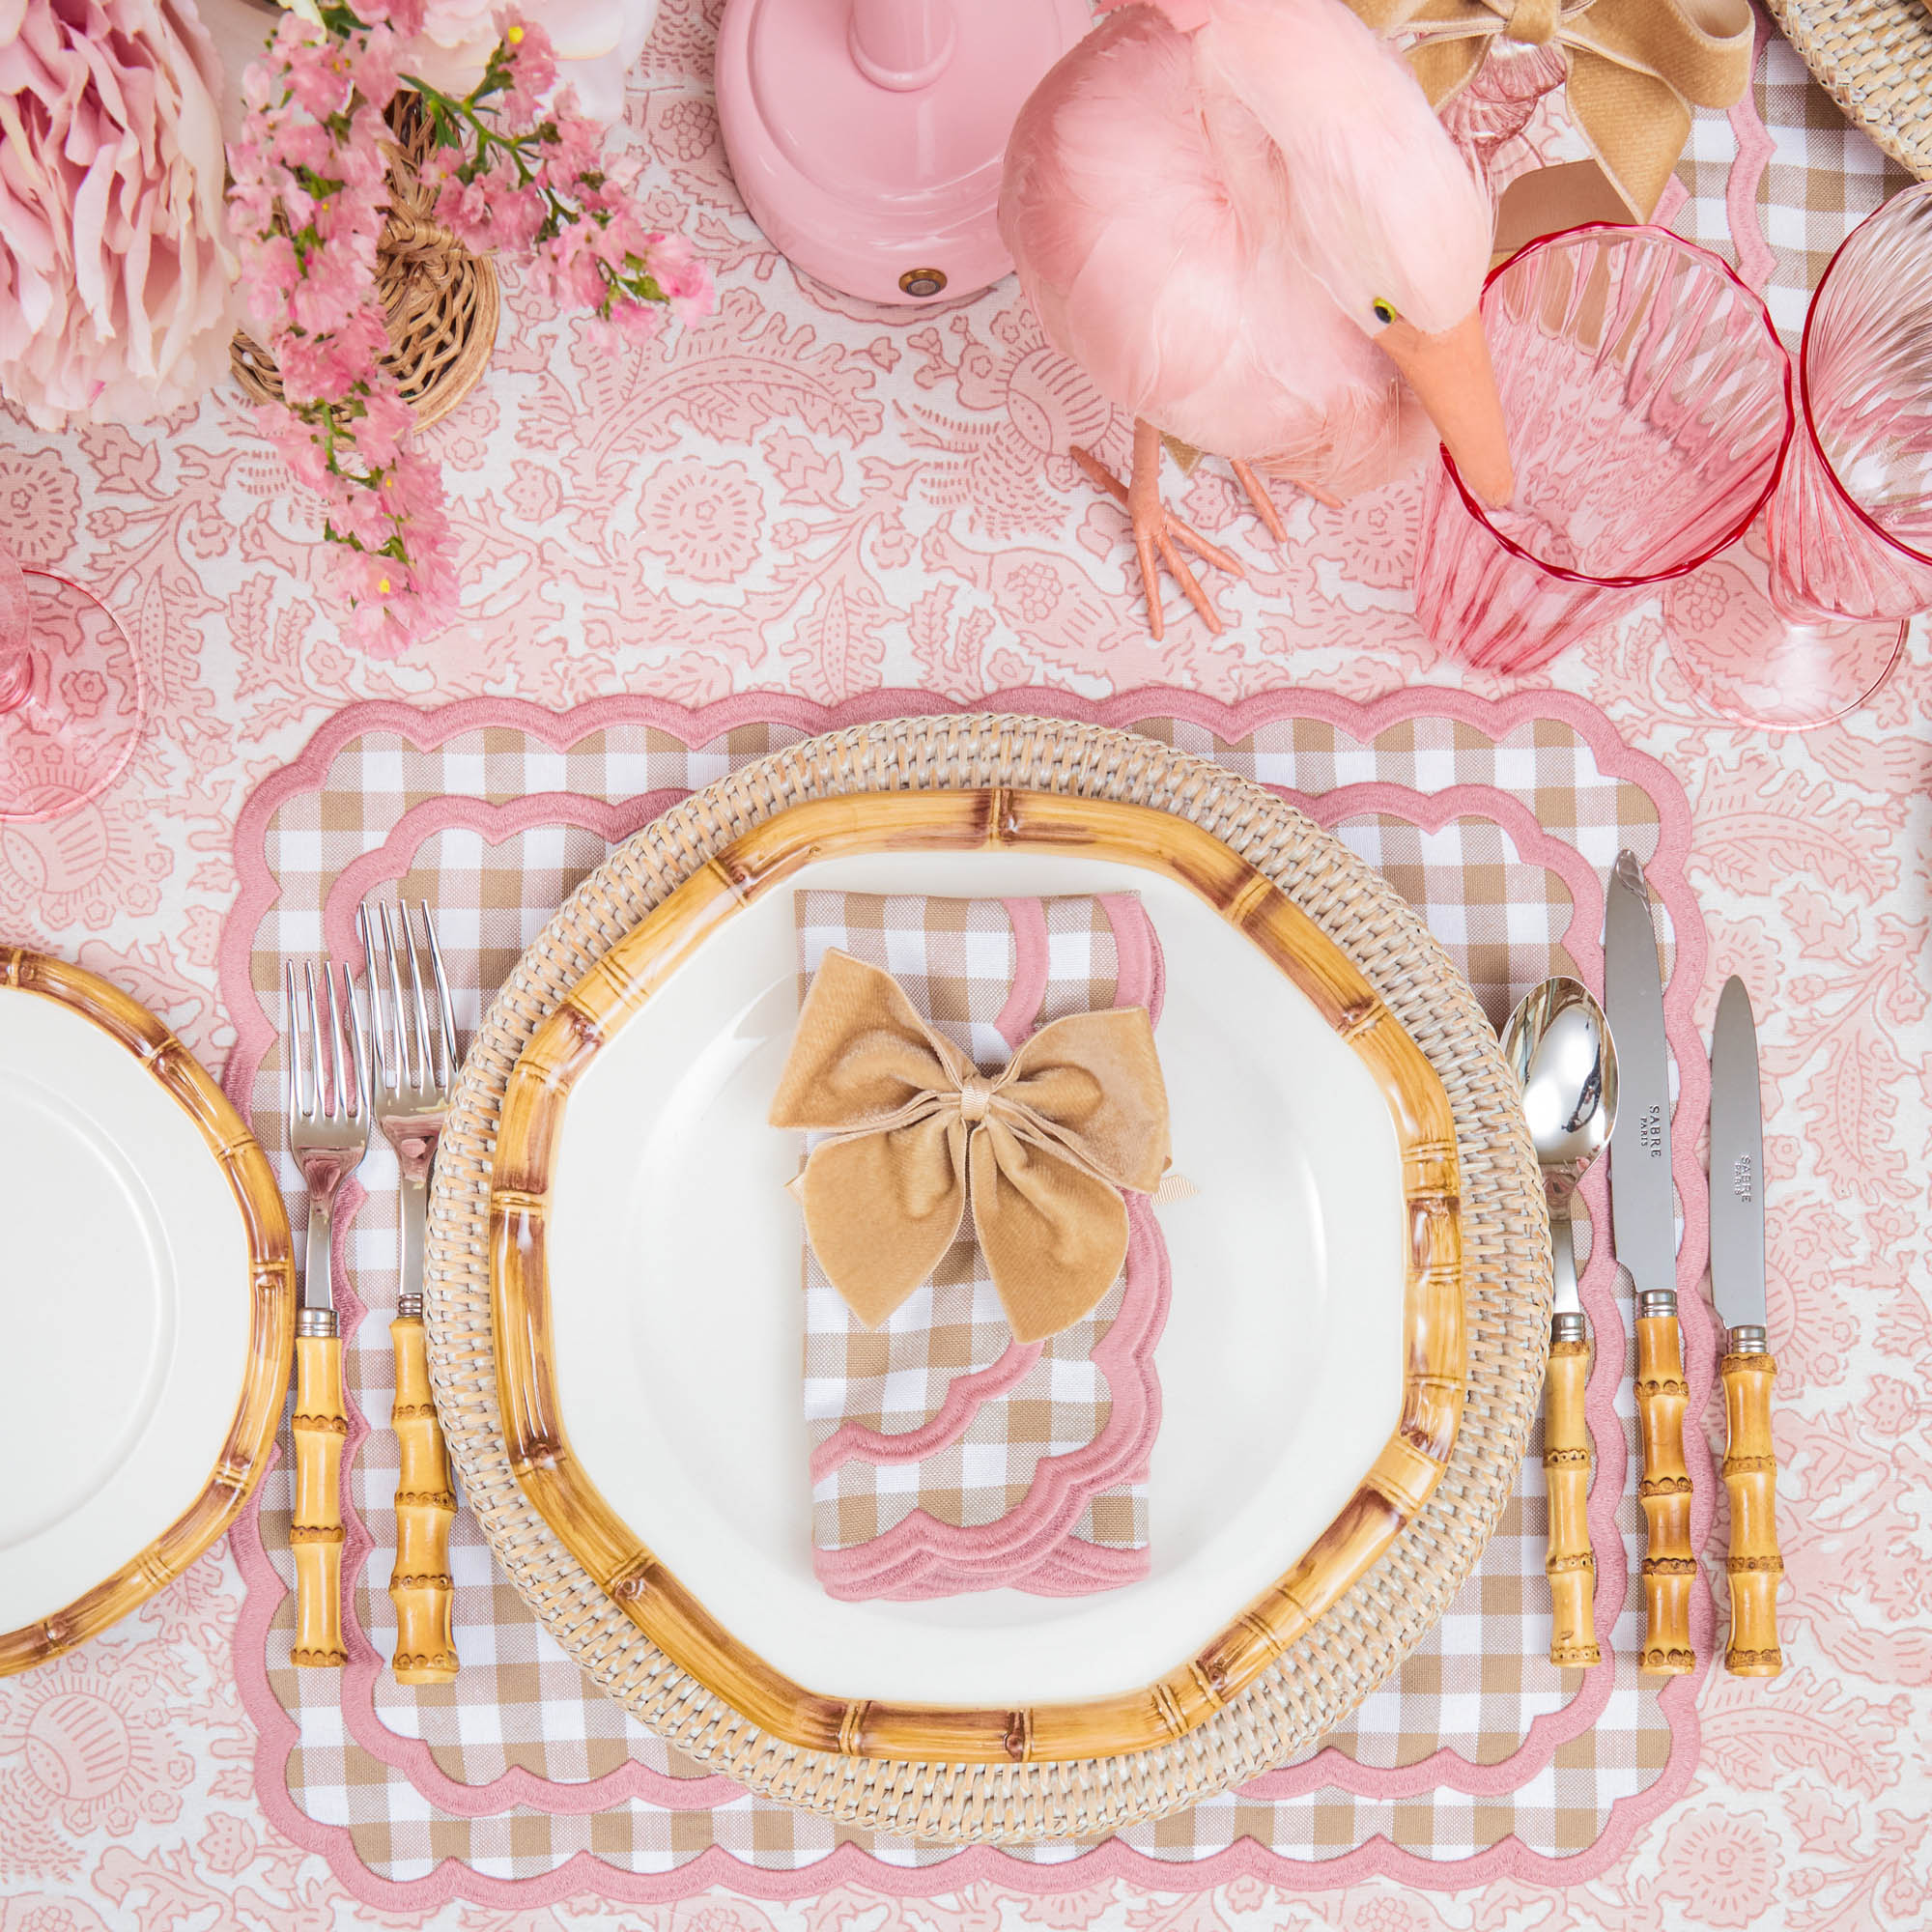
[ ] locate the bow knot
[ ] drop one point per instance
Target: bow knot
(1636, 67)
(1532, 22)
(1040, 1152)
(975, 1097)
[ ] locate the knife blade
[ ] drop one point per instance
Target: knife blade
(1643, 1207)
(1737, 1167)
(1643, 1219)
(1737, 1287)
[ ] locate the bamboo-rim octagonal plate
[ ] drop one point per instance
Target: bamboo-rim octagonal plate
(676, 938)
(149, 1272)
(1277, 1677)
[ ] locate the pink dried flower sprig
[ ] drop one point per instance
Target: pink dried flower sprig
(519, 177)
(310, 199)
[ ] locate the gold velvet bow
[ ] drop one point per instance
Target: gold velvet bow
(1042, 1149)
(1637, 66)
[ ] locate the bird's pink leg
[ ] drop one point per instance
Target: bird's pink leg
(1258, 495)
(1157, 530)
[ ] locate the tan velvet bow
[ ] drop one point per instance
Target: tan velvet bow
(1637, 66)
(1042, 1149)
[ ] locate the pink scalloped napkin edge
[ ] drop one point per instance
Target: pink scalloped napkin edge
(1033, 1545)
(1325, 1768)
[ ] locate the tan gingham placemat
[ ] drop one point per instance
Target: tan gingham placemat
(1778, 183)
(1490, 821)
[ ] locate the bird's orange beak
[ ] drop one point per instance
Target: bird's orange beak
(1453, 380)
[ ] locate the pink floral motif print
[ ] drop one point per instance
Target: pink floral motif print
(706, 519)
(228, 1845)
(40, 1913)
(40, 506)
(1378, 534)
(686, 130)
(1385, 1914)
(83, 1750)
(917, 463)
(1068, 1911)
(97, 863)
(1002, 456)
(1722, 1864)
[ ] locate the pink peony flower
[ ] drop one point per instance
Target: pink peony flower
(117, 281)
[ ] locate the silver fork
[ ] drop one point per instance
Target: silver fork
(330, 1119)
(415, 1068)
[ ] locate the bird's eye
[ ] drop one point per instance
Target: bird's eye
(1385, 309)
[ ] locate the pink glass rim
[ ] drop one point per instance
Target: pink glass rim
(1858, 510)
(1719, 544)
(138, 670)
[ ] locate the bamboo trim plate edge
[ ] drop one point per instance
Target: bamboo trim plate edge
(258, 1413)
(1390, 1495)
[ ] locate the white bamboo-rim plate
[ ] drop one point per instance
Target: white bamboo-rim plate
(147, 1307)
(676, 1314)
(653, 1528)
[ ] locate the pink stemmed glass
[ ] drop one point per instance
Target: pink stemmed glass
(1648, 401)
(1807, 620)
(72, 695)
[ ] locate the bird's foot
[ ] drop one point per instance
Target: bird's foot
(1258, 494)
(1159, 534)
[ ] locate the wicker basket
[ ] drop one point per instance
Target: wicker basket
(1874, 58)
(1318, 1679)
(439, 299)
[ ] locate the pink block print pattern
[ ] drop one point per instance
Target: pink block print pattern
(945, 1456)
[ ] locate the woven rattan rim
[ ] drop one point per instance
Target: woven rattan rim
(1874, 58)
(1373, 1625)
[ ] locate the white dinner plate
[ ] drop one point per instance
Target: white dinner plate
(144, 1283)
(677, 1306)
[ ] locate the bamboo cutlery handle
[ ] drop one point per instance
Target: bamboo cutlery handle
(1570, 1564)
(421, 1585)
(320, 1430)
(1750, 1477)
(1664, 1491)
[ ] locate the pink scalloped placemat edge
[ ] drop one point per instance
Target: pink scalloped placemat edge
(428, 728)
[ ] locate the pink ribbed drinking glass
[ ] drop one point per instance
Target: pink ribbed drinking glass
(1807, 621)
(72, 697)
(1648, 401)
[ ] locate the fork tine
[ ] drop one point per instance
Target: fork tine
(358, 1047)
(338, 1101)
(398, 1070)
(421, 1059)
(321, 1104)
(292, 1045)
(446, 1013)
(379, 1052)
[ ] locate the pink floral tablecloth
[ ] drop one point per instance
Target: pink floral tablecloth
(807, 495)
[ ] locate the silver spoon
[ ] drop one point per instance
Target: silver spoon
(1558, 1046)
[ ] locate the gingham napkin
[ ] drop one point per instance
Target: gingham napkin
(945, 1456)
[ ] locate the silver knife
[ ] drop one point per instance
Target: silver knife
(1643, 1216)
(1737, 1287)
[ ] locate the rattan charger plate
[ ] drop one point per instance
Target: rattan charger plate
(1874, 58)
(1319, 1677)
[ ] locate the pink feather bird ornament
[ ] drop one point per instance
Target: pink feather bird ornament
(1241, 218)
